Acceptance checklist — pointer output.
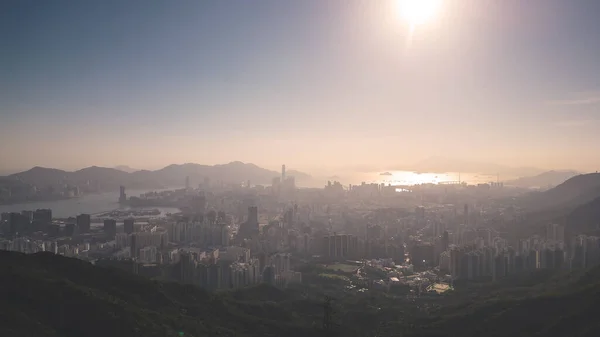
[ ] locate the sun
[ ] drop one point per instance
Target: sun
(418, 12)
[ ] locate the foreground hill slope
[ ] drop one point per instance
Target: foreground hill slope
(542, 304)
(49, 295)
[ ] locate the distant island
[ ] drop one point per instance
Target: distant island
(385, 174)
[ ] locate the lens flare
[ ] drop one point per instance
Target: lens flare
(418, 12)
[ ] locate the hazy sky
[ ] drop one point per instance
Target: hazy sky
(311, 83)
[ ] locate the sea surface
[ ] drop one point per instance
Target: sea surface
(89, 204)
(408, 178)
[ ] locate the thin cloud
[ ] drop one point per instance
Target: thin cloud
(584, 98)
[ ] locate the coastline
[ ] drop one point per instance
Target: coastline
(17, 202)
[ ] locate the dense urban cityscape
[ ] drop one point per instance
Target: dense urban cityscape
(322, 168)
(422, 237)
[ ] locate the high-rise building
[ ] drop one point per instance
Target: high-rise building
(445, 240)
(122, 194)
(16, 224)
(500, 266)
(289, 184)
(128, 226)
(28, 215)
(84, 222)
(134, 246)
(53, 230)
(253, 215)
(187, 183)
(43, 216)
(456, 256)
(281, 262)
(340, 246)
(268, 275)
(438, 228)
(156, 237)
(110, 228)
(198, 204)
(288, 218)
(69, 229)
(420, 214)
(250, 228)
(276, 186)
(422, 254)
(283, 172)
(555, 232)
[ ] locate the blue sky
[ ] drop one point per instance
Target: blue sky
(311, 83)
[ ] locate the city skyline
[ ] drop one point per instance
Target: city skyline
(427, 165)
(299, 167)
(311, 83)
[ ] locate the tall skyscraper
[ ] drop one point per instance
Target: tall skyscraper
(134, 246)
(110, 228)
(122, 195)
(445, 240)
(555, 232)
(42, 215)
(128, 226)
(250, 227)
(187, 182)
(283, 172)
(253, 215)
(420, 214)
(466, 214)
(16, 222)
(84, 222)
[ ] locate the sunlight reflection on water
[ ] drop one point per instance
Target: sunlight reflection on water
(409, 178)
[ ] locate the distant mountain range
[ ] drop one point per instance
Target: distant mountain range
(543, 180)
(125, 168)
(172, 175)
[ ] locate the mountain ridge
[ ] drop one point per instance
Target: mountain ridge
(573, 203)
(126, 168)
(549, 178)
(170, 175)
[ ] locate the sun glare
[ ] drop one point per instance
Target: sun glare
(418, 12)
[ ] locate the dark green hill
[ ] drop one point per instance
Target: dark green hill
(541, 304)
(573, 203)
(49, 295)
(576, 191)
(585, 218)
